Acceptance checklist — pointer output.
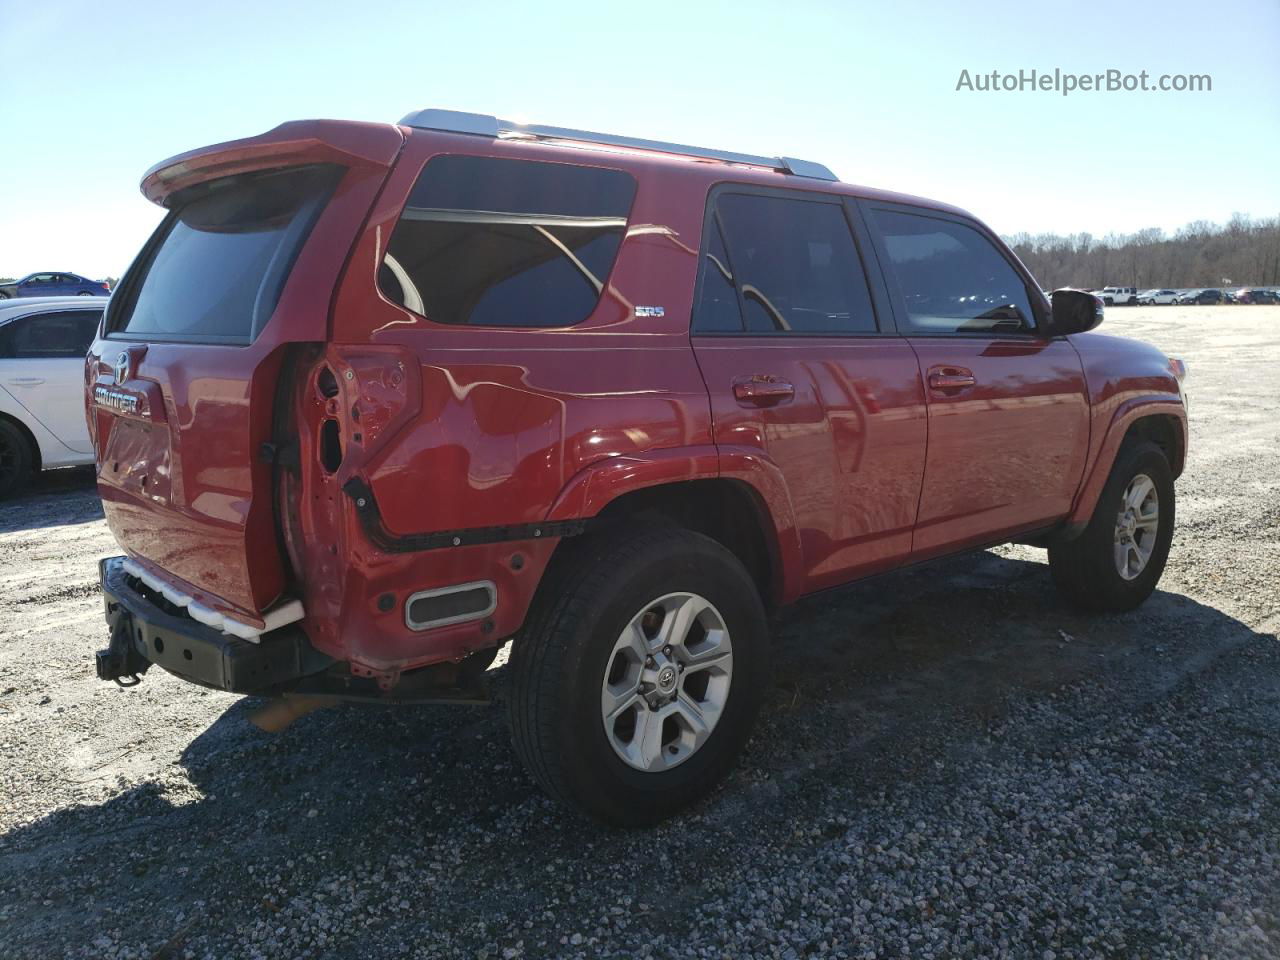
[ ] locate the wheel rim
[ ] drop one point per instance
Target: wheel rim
(666, 682)
(1137, 523)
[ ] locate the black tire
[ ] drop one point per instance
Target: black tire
(559, 665)
(1085, 569)
(16, 459)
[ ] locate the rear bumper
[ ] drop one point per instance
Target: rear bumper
(143, 633)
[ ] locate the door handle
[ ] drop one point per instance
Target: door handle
(762, 391)
(951, 378)
(26, 381)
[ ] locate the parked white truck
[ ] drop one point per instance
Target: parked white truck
(1123, 296)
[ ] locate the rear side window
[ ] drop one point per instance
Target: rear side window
(794, 264)
(490, 241)
(952, 278)
(220, 259)
(67, 333)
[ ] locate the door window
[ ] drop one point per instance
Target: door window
(43, 335)
(793, 263)
(717, 309)
(952, 278)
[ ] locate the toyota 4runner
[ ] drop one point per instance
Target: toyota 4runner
(376, 398)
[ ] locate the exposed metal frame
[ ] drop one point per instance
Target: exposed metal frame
(487, 125)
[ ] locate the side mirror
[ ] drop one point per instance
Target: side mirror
(1074, 311)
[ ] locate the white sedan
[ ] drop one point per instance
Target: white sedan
(1154, 297)
(42, 421)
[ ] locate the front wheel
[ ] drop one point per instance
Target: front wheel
(1115, 564)
(639, 674)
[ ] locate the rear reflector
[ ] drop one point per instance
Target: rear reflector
(446, 605)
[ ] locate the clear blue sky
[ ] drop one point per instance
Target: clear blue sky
(93, 93)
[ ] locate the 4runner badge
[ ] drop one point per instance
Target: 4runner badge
(650, 312)
(115, 399)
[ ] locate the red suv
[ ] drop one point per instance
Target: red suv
(376, 398)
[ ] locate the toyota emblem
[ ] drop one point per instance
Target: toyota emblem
(121, 368)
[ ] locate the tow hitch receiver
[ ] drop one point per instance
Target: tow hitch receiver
(121, 662)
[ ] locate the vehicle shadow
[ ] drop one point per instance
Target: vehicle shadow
(920, 665)
(55, 498)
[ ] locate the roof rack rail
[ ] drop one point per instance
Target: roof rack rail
(486, 125)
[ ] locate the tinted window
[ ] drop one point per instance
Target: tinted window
(224, 255)
(951, 277)
(796, 265)
(65, 334)
(513, 243)
(717, 308)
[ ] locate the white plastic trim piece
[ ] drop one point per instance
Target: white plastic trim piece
(287, 612)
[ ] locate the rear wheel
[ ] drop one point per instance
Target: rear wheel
(15, 459)
(1117, 561)
(639, 675)
(84, 293)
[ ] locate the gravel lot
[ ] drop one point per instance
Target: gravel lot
(951, 764)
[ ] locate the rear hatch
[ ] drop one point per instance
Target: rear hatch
(203, 330)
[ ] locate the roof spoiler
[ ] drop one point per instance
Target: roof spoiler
(343, 142)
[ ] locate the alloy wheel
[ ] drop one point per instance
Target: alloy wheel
(667, 682)
(1137, 523)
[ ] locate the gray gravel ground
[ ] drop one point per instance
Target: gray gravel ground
(952, 764)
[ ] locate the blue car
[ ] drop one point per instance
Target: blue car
(54, 285)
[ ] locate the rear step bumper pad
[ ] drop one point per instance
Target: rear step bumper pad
(143, 634)
(285, 613)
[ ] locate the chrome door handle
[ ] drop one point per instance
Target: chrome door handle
(26, 381)
(951, 378)
(762, 391)
(950, 381)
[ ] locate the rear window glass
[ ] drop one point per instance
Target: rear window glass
(223, 255)
(514, 243)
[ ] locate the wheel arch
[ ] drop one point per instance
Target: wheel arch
(1166, 432)
(737, 498)
(727, 510)
(1158, 420)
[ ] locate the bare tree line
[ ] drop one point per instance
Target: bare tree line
(1241, 252)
